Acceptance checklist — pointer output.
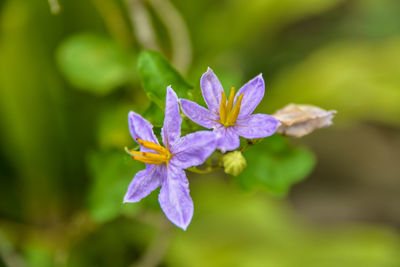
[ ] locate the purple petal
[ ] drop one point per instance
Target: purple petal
(256, 126)
(193, 149)
(144, 182)
(211, 89)
(142, 129)
(198, 114)
(253, 92)
(227, 139)
(175, 199)
(171, 131)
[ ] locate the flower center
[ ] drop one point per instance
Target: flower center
(228, 112)
(162, 155)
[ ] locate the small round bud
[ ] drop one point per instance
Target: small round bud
(234, 163)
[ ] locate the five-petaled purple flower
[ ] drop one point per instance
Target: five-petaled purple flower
(165, 165)
(231, 118)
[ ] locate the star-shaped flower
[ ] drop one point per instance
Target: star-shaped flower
(165, 164)
(231, 118)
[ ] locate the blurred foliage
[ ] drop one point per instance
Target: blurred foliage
(275, 165)
(67, 82)
(32, 113)
(95, 63)
(115, 244)
(348, 77)
(111, 173)
(256, 231)
(112, 128)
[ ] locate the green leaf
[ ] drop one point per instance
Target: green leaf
(154, 114)
(111, 174)
(95, 63)
(275, 165)
(156, 74)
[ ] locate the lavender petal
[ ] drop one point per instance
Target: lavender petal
(142, 129)
(193, 149)
(211, 89)
(175, 198)
(144, 182)
(171, 131)
(256, 126)
(227, 139)
(253, 92)
(198, 114)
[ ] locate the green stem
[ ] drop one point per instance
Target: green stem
(158, 248)
(178, 31)
(114, 21)
(54, 7)
(204, 171)
(248, 144)
(244, 148)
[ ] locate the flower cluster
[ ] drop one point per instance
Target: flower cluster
(228, 117)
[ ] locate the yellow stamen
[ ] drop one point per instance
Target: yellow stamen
(228, 110)
(152, 146)
(235, 112)
(222, 107)
(146, 160)
(162, 156)
(148, 155)
(230, 101)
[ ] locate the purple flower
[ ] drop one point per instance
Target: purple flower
(231, 118)
(165, 164)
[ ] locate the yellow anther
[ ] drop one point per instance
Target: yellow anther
(146, 160)
(148, 155)
(152, 146)
(235, 112)
(222, 107)
(230, 101)
(228, 112)
(162, 156)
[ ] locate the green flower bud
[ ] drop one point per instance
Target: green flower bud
(234, 163)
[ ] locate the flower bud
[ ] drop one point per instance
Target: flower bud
(234, 163)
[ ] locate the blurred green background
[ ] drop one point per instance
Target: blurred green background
(70, 70)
